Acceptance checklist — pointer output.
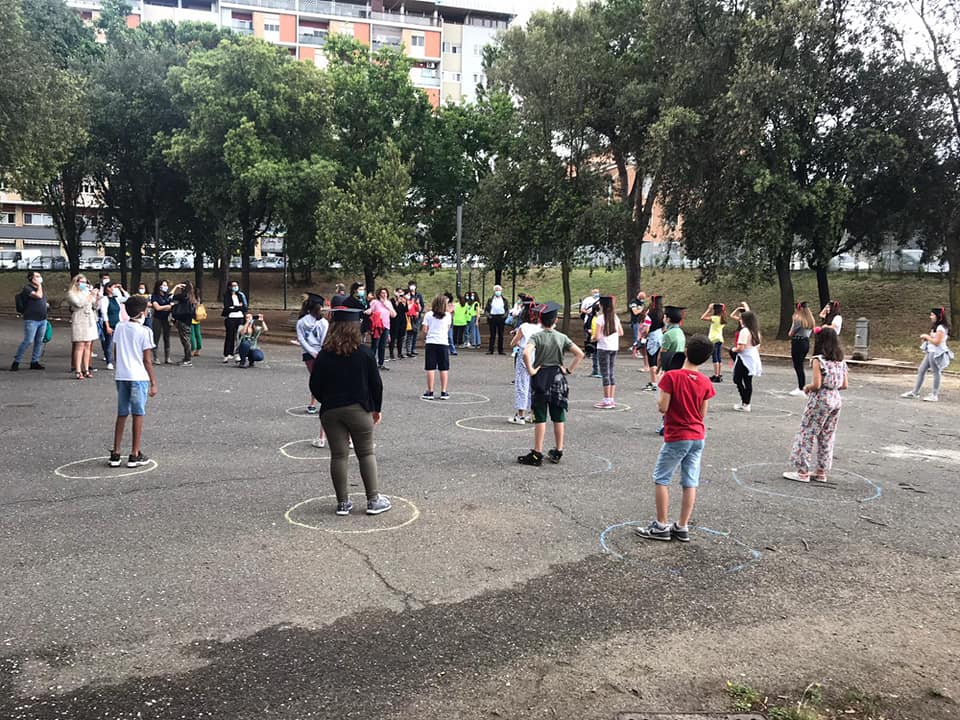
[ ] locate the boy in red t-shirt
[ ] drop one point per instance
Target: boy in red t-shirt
(683, 397)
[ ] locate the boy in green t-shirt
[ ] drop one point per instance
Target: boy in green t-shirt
(543, 357)
(674, 340)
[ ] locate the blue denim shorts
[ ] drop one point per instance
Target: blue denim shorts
(686, 454)
(132, 397)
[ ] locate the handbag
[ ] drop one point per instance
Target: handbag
(200, 313)
(48, 333)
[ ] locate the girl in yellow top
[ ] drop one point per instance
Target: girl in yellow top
(717, 315)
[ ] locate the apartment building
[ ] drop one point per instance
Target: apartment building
(445, 38)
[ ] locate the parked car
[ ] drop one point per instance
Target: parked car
(100, 263)
(146, 263)
(176, 260)
(845, 262)
(272, 262)
(38, 262)
(905, 260)
(59, 262)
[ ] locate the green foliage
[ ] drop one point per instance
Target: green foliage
(743, 697)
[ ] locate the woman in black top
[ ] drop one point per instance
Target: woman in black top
(162, 303)
(184, 307)
(346, 383)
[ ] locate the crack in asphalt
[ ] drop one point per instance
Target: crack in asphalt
(410, 601)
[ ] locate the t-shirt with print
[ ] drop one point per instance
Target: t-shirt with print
(635, 305)
(549, 347)
(130, 339)
(683, 419)
(437, 328)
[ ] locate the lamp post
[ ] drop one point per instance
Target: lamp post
(459, 247)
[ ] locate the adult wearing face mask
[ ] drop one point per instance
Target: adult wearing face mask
(234, 309)
(32, 302)
(418, 298)
(112, 313)
(496, 311)
(148, 313)
(161, 302)
(473, 326)
(84, 302)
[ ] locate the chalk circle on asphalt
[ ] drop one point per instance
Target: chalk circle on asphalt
(300, 411)
(458, 398)
(317, 453)
(770, 481)
(317, 514)
(587, 406)
(764, 413)
(491, 424)
(620, 542)
(101, 464)
(579, 462)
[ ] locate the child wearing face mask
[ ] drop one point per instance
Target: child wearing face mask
(133, 346)
(112, 313)
(161, 303)
(148, 313)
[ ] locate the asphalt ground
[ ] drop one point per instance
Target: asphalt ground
(216, 582)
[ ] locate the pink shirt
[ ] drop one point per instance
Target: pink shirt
(384, 311)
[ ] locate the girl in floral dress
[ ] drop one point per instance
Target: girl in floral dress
(819, 422)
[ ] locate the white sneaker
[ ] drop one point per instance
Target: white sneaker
(517, 420)
(909, 394)
(226, 359)
(745, 408)
(109, 366)
(931, 398)
(319, 442)
(740, 407)
(797, 392)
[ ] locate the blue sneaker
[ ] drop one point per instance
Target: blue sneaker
(344, 508)
(380, 504)
(655, 531)
(427, 396)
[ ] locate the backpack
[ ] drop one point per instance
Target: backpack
(183, 311)
(21, 305)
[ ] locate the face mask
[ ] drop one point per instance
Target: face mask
(116, 293)
(234, 288)
(596, 296)
(164, 288)
(413, 288)
(139, 319)
(141, 291)
(105, 281)
(498, 293)
(82, 286)
(38, 280)
(360, 292)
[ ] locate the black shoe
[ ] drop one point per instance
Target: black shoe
(114, 459)
(531, 458)
(137, 460)
(384, 368)
(713, 379)
(655, 531)
(501, 352)
(554, 455)
(490, 352)
(14, 366)
(37, 366)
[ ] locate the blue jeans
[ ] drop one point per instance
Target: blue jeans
(33, 332)
(686, 454)
(379, 345)
(453, 348)
(635, 327)
(473, 332)
(415, 324)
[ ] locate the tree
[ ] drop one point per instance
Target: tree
(47, 155)
(249, 109)
(364, 222)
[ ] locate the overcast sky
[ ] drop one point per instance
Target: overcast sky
(525, 7)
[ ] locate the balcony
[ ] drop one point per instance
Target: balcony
(326, 7)
(136, 5)
(406, 19)
(242, 27)
(313, 39)
(266, 4)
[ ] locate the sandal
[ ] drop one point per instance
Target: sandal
(820, 478)
(80, 375)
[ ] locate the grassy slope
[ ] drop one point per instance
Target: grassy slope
(897, 305)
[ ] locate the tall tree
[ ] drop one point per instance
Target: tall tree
(249, 108)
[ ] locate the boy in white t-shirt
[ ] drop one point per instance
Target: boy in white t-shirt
(132, 344)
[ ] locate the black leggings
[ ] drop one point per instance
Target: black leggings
(799, 347)
(397, 335)
(744, 382)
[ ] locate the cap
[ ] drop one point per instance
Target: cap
(548, 311)
(346, 314)
(674, 314)
(312, 300)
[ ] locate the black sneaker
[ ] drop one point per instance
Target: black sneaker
(444, 396)
(655, 531)
(137, 460)
(531, 458)
(114, 459)
(554, 455)
(714, 378)
(427, 396)
(37, 366)
(678, 533)
(14, 366)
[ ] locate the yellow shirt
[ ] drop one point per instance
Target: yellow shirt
(716, 329)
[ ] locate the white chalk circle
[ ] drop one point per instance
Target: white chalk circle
(317, 514)
(824, 490)
(318, 453)
(579, 457)
(452, 400)
(502, 422)
(150, 466)
(612, 549)
(766, 413)
(300, 411)
(587, 406)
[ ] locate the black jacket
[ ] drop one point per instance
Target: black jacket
(342, 380)
(229, 307)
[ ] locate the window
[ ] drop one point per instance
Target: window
(477, 49)
(418, 41)
(8, 218)
(450, 48)
(271, 28)
(37, 219)
(87, 189)
(452, 76)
